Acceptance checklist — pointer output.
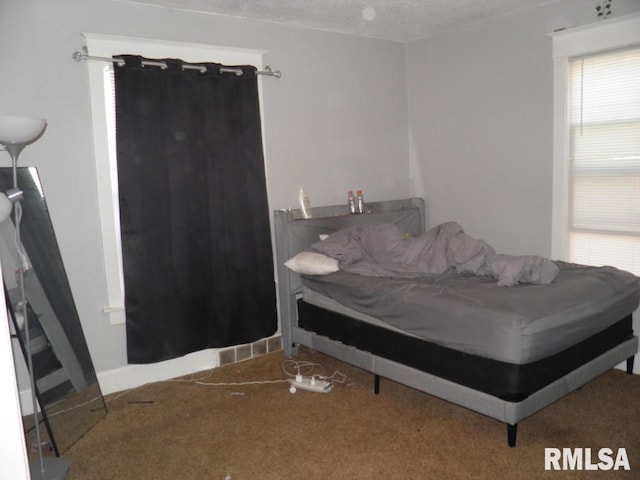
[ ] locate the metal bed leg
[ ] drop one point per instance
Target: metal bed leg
(376, 384)
(290, 349)
(630, 361)
(512, 432)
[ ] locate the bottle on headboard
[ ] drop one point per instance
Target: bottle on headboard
(305, 205)
(351, 202)
(360, 208)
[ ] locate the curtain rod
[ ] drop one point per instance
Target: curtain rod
(80, 56)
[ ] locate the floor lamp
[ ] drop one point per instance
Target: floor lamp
(15, 134)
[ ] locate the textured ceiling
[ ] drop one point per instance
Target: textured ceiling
(398, 20)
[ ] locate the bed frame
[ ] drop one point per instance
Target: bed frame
(295, 234)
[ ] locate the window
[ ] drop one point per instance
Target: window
(604, 159)
(597, 145)
(103, 117)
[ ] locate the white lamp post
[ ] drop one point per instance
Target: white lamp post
(15, 134)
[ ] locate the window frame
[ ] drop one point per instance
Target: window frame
(609, 34)
(106, 46)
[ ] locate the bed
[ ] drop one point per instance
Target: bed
(505, 352)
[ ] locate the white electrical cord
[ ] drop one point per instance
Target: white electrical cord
(200, 381)
(299, 368)
(306, 369)
(53, 413)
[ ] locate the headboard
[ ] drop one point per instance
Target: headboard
(294, 234)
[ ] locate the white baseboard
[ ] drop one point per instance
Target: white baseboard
(132, 376)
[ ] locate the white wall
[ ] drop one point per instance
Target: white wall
(336, 120)
(480, 123)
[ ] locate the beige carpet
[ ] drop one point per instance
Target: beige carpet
(179, 431)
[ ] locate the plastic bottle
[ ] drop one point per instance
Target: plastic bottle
(351, 202)
(305, 204)
(359, 202)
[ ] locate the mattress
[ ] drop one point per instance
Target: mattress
(319, 300)
(516, 325)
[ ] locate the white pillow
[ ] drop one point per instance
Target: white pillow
(312, 263)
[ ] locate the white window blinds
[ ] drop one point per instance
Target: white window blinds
(604, 159)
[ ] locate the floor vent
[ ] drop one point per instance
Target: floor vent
(240, 353)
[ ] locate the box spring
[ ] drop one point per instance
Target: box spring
(507, 381)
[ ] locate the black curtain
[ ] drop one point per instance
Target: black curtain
(198, 265)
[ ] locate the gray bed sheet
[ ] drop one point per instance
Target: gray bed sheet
(519, 324)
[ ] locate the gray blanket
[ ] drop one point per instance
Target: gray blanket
(383, 250)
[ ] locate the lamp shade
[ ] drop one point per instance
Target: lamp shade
(20, 130)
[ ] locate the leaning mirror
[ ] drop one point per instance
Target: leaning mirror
(66, 383)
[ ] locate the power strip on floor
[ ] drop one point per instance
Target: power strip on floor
(311, 384)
